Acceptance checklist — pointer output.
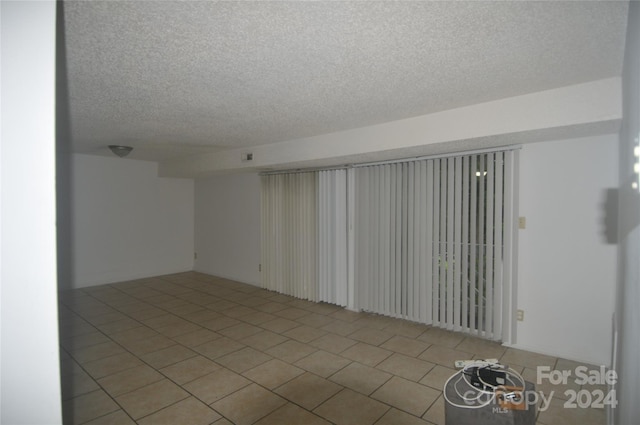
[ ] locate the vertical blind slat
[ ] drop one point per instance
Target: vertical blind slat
(489, 236)
(457, 244)
(464, 263)
(435, 259)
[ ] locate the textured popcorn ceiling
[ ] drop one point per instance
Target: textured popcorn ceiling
(175, 79)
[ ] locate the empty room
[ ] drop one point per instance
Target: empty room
(320, 212)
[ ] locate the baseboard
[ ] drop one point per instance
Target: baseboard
(544, 352)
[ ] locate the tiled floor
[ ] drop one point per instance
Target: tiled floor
(195, 349)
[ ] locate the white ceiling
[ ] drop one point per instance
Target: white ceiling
(174, 79)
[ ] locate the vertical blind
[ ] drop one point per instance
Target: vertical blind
(433, 240)
(304, 235)
(289, 234)
(332, 236)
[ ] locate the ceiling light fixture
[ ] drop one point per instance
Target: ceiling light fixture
(121, 151)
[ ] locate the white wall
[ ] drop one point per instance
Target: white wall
(228, 226)
(29, 372)
(127, 222)
(567, 271)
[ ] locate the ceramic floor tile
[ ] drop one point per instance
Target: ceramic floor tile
(304, 333)
(221, 305)
(403, 345)
(216, 385)
(190, 369)
(340, 410)
(238, 311)
(346, 315)
(302, 304)
(481, 349)
(342, 328)
(324, 308)
(360, 378)
(82, 341)
(435, 413)
(110, 365)
(188, 411)
(248, 405)
(280, 325)
(366, 354)
(146, 313)
(178, 329)
(281, 298)
(87, 407)
(292, 313)
(273, 373)
(258, 318)
(220, 323)
(119, 417)
(441, 337)
(198, 337)
(316, 320)
(223, 421)
(398, 417)
(308, 390)
(263, 340)
(218, 348)
(374, 321)
(243, 359)
(322, 363)
(557, 413)
(162, 320)
(119, 326)
(406, 395)
(107, 318)
(75, 326)
(527, 359)
(129, 380)
(147, 345)
(75, 383)
(168, 356)
(202, 316)
(272, 307)
(406, 367)
(333, 343)
(437, 377)
(132, 335)
(443, 355)
(371, 336)
(186, 309)
(254, 300)
(406, 328)
(147, 400)
(291, 414)
(290, 351)
(239, 331)
(98, 351)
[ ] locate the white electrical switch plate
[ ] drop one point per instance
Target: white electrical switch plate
(522, 222)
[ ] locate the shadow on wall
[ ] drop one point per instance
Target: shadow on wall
(610, 216)
(620, 214)
(63, 201)
(63, 159)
